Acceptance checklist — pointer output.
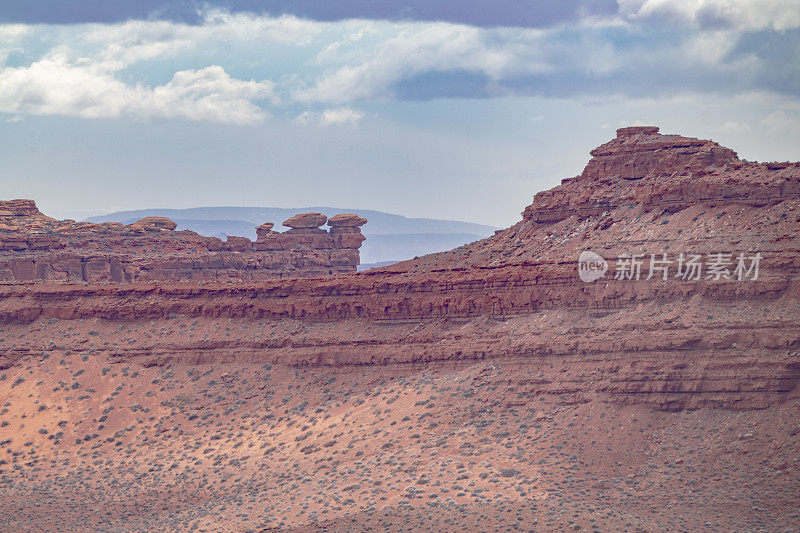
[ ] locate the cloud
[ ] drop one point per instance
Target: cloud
(123, 44)
(747, 15)
(412, 49)
(12, 32)
(81, 74)
(10, 35)
(734, 126)
(337, 116)
(594, 57)
(55, 85)
(341, 115)
(474, 12)
(158, 68)
(783, 122)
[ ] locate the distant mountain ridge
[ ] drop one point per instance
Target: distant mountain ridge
(379, 222)
(390, 237)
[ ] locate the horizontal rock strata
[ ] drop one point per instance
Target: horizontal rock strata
(34, 247)
(716, 341)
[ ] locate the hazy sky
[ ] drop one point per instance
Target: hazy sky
(450, 109)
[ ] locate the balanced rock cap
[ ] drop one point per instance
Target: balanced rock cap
(306, 220)
(346, 220)
(264, 230)
(158, 222)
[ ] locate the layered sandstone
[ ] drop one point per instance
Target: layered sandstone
(484, 388)
(668, 342)
(34, 247)
(670, 172)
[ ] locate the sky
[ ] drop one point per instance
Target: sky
(443, 109)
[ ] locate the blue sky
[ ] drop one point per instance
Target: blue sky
(441, 109)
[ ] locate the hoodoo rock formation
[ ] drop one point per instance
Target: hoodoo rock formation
(34, 247)
(305, 221)
(494, 380)
(264, 230)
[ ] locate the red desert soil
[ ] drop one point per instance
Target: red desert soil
(483, 389)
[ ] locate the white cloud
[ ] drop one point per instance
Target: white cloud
(54, 85)
(409, 49)
(12, 32)
(10, 35)
(337, 116)
(82, 73)
(341, 115)
(140, 40)
(735, 127)
(306, 118)
(739, 14)
(97, 70)
(783, 122)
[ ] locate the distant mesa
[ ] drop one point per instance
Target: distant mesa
(390, 237)
(305, 221)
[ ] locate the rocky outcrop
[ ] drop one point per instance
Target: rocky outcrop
(306, 221)
(345, 231)
(264, 230)
(346, 221)
(34, 247)
(18, 208)
(669, 172)
(155, 223)
(669, 342)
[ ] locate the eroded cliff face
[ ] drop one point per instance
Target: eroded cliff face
(728, 337)
(34, 247)
(485, 387)
(643, 168)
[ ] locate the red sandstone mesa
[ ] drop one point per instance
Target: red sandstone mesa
(34, 247)
(485, 388)
(672, 344)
